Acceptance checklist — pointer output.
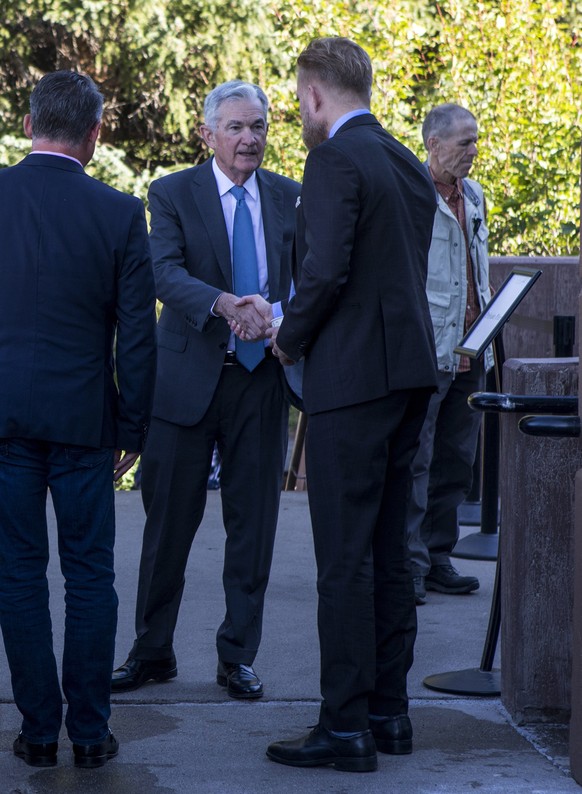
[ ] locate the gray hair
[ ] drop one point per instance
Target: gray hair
(441, 118)
(234, 89)
(64, 107)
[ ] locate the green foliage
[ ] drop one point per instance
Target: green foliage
(12, 150)
(126, 482)
(517, 64)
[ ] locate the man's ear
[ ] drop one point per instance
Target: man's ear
(207, 135)
(432, 144)
(315, 96)
(27, 125)
(94, 132)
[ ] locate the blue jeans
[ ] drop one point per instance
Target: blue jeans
(81, 484)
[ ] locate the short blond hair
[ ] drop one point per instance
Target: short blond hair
(341, 63)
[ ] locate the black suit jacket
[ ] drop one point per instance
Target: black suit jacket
(192, 264)
(360, 316)
(75, 277)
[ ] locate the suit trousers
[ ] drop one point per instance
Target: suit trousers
(248, 420)
(81, 483)
(443, 469)
(359, 474)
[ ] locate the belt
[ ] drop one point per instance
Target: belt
(230, 359)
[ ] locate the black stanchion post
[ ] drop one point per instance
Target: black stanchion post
(483, 545)
(469, 513)
(483, 680)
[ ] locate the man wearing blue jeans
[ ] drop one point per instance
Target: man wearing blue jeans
(77, 365)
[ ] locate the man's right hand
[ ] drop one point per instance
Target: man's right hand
(248, 320)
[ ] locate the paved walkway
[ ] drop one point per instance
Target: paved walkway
(187, 736)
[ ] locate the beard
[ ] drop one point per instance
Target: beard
(313, 132)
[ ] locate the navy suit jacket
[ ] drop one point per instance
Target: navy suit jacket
(75, 280)
(360, 316)
(192, 265)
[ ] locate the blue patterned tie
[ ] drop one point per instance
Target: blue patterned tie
(245, 272)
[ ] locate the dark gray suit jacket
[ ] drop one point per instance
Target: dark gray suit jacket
(192, 265)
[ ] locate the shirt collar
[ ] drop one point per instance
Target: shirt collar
(225, 183)
(58, 154)
(447, 187)
(346, 117)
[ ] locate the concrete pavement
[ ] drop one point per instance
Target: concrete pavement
(187, 736)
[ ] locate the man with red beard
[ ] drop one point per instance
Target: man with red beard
(360, 320)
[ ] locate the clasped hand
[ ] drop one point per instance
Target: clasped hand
(249, 317)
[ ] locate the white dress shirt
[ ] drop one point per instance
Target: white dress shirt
(253, 200)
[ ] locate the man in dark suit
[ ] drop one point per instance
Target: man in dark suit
(77, 367)
(208, 391)
(360, 318)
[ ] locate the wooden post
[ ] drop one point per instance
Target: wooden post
(576, 704)
(296, 479)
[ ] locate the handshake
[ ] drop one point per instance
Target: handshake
(251, 319)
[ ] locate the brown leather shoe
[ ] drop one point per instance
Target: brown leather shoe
(240, 680)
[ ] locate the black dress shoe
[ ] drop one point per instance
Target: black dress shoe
(240, 680)
(35, 754)
(393, 735)
(137, 672)
(321, 748)
(92, 755)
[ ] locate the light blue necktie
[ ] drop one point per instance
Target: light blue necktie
(245, 272)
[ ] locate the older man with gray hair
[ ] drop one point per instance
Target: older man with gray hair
(457, 290)
(219, 231)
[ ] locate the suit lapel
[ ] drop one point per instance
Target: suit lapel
(272, 212)
(207, 200)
